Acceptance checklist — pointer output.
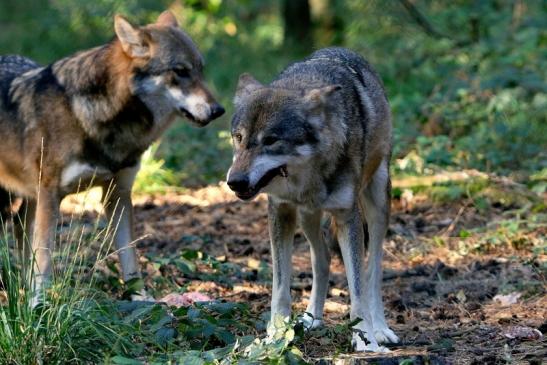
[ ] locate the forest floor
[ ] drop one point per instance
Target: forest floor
(461, 275)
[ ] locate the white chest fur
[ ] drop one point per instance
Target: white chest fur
(76, 173)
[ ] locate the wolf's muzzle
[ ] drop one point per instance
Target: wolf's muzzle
(216, 111)
(239, 183)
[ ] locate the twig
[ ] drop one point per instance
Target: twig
(421, 20)
(452, 225)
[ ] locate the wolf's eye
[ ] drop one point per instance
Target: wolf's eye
(183, 73)
(238, 137)
(269, 140)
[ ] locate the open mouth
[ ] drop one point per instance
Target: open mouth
(263, 182)
(192, 119)
(188, 115)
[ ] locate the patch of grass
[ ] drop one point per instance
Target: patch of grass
(64, 328)
(154, 177)
(78, 323)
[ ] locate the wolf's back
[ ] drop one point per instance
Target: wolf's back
(11, 67)
(346, 56)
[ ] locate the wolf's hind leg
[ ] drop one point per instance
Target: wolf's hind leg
(320, 258)
(350, 237)
(43, 239)
(376, 200)
(282, 224)
(23, 226)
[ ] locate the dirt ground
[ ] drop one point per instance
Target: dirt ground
(442, 300)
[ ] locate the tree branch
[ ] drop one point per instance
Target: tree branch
(421, 20)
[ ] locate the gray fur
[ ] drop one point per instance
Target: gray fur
(318, 140)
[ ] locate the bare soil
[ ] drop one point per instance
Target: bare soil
(438, 295)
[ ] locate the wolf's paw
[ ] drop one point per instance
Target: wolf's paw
(385, 335)
(37, 299)
(142, 296)
(362, 342)
(363, 339)
(310, 322)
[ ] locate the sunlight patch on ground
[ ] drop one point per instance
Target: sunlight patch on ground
(428, 180)
(90, 200)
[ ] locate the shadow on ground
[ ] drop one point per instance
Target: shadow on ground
(441, 291)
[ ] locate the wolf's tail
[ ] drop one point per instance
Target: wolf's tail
(330, 231)
(5, 205)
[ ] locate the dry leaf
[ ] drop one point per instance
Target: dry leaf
(185, 299)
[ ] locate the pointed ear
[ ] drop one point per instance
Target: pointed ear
(320, 96)
(132, 38)
(246, 86)
(167, 19)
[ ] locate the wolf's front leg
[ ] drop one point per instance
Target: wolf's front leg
(282, 224)
(350, 237)
(43, 239)
(376, 201)
(320, 259)
(119, 210)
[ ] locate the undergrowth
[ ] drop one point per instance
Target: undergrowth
(77, 323)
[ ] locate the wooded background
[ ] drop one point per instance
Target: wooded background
(465, 256)
(466, 79)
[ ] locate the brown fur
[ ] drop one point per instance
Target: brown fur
(86, 119)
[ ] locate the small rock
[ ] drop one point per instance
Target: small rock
(523, 333)
(507, 299)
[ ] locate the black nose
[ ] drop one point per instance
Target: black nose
(216, 110)
(239, 182)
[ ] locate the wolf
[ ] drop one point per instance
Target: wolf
(317, 140)
(86, 119)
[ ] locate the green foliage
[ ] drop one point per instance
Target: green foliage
(472, 94)
(65, 328)
(75, 323)
(479, 93)
(153, 176)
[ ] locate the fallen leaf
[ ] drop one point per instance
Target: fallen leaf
(185, 299)
(460, 295)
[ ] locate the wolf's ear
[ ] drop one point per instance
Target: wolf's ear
(245, 86)
(320, 96)
(167, 19)
(132, 39)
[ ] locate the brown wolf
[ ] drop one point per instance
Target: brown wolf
(87, 118)
(318, 139)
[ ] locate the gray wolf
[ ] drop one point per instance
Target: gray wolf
(318, 139)
(86, 119)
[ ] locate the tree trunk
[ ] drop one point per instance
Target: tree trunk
(298, 28)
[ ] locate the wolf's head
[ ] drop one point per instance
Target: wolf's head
(276, 133)
(167, 68)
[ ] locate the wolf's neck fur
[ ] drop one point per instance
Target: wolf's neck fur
(97, 81)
